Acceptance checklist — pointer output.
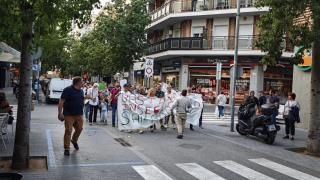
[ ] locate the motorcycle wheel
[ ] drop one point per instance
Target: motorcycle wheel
(240, 131)
(271, 136)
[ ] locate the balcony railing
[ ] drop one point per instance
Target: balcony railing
(189, 43)
(212, 43)
(178, 6)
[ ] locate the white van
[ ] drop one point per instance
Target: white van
(55, 88)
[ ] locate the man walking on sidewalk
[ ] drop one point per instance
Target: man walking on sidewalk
(70, 110)
(182, 106)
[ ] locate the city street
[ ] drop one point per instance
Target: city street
(209, 153)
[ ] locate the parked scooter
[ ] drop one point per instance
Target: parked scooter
(259, 126)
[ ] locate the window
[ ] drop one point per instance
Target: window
(197, 31)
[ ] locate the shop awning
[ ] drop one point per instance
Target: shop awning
(9, 54)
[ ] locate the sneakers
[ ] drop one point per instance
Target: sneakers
(286, 137)
(75, 145)
(90, 124)
(66, 152)
(180, 137)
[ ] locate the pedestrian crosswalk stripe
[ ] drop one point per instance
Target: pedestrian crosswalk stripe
(151, 172)
(283, 169)
(199, 172)
(242, 170)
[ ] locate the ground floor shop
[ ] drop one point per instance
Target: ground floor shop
(185, 72)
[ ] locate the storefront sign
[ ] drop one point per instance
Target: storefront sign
(307, 60)
(137, 111)
(170, 69)
(148, 71)
(139, 73)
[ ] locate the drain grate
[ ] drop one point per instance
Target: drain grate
(123, 142)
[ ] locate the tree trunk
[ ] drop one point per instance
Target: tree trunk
(313, 145)
(20, 159)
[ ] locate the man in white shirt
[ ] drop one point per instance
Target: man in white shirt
(93, 94)
(221, 102)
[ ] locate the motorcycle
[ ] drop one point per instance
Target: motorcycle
(260, 126)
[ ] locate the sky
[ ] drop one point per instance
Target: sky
(96, 11)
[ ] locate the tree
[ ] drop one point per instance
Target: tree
(55, 52)
(30, 21)
(123, 29)
(297, 22)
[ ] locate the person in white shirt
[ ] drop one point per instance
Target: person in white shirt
(221, 102)
(289, 122)
(85, 89)
(170, 97)
(93, 96)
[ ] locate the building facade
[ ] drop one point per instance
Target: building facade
(188, 37)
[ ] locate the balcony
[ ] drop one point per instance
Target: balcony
(189, 43)
(214, 43)
(179, 6)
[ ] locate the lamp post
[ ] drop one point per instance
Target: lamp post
(234, 70)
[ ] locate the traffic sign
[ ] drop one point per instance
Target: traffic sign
(148, 71)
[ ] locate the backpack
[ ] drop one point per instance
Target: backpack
(294, 115)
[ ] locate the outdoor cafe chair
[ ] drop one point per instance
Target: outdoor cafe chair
(4, 117)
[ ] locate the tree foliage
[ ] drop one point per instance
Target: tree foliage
(287, 21)
(31, 21)
(117, 39)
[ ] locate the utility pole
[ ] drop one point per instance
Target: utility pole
(234, 70)
(218, 79)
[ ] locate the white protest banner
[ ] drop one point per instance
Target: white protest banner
(137, 111)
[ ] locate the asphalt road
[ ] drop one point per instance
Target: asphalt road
(212, 153)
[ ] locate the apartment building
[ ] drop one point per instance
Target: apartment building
(187, 37)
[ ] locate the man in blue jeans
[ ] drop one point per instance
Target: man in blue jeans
(114, 102)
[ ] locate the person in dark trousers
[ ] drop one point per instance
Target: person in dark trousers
(274, 100)
(70, 110)
(160, 94)
(198, 91)
(93, 94)
(262, 98)
(291, 115)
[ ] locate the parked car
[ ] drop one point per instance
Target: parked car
(55, 88)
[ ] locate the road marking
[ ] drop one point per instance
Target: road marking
(199, 172)
(52, 158)
(151, 172)
(141, 155)
(283, 169)
(242, 170)
(102, 164)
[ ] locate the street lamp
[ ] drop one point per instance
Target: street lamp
(234, 70)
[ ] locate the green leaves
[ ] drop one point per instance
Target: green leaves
(286, 25)
(117, 39)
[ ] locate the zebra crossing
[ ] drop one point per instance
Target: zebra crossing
(151, 172)
(211, 118)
